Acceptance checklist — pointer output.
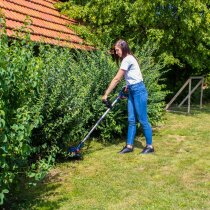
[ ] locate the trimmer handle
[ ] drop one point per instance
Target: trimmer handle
(124, 92)
(107, 103)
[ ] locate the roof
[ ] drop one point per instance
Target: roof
(47, 26)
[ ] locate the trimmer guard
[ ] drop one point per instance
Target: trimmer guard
(75, 152)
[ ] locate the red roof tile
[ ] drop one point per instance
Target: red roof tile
(47, 24)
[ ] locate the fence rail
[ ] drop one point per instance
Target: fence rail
(190, 92)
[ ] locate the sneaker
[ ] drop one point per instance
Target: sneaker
(126, 150)
(148, 150)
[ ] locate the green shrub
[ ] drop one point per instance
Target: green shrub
(19, 80)
(51, 97)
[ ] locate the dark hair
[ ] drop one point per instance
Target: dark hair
(123, 45)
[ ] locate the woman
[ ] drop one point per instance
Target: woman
(137, 98)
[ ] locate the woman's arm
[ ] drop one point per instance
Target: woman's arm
(114, 83)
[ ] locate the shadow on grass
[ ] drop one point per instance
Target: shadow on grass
(30, 196)
(194, 110)
(90, 148)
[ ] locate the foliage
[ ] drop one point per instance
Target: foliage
(207, 80)
(180, 27)
(19, 112)
(206, 88)
(50, 97)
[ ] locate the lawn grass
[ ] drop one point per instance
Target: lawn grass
(177, 176)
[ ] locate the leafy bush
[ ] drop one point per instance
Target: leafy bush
(20, 78)
(206, 87)
(50, 97)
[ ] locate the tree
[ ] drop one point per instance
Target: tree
(180, 27)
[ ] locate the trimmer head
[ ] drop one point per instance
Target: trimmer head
(74, 153)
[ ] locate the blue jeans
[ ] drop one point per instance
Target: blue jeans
(137, 108)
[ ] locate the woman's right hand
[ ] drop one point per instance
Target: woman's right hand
(104, 97)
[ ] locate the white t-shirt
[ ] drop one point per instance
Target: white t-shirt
(132, 70)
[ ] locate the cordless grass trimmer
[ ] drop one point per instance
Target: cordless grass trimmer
(74, 153)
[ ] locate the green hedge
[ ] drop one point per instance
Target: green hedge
(50, 97)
